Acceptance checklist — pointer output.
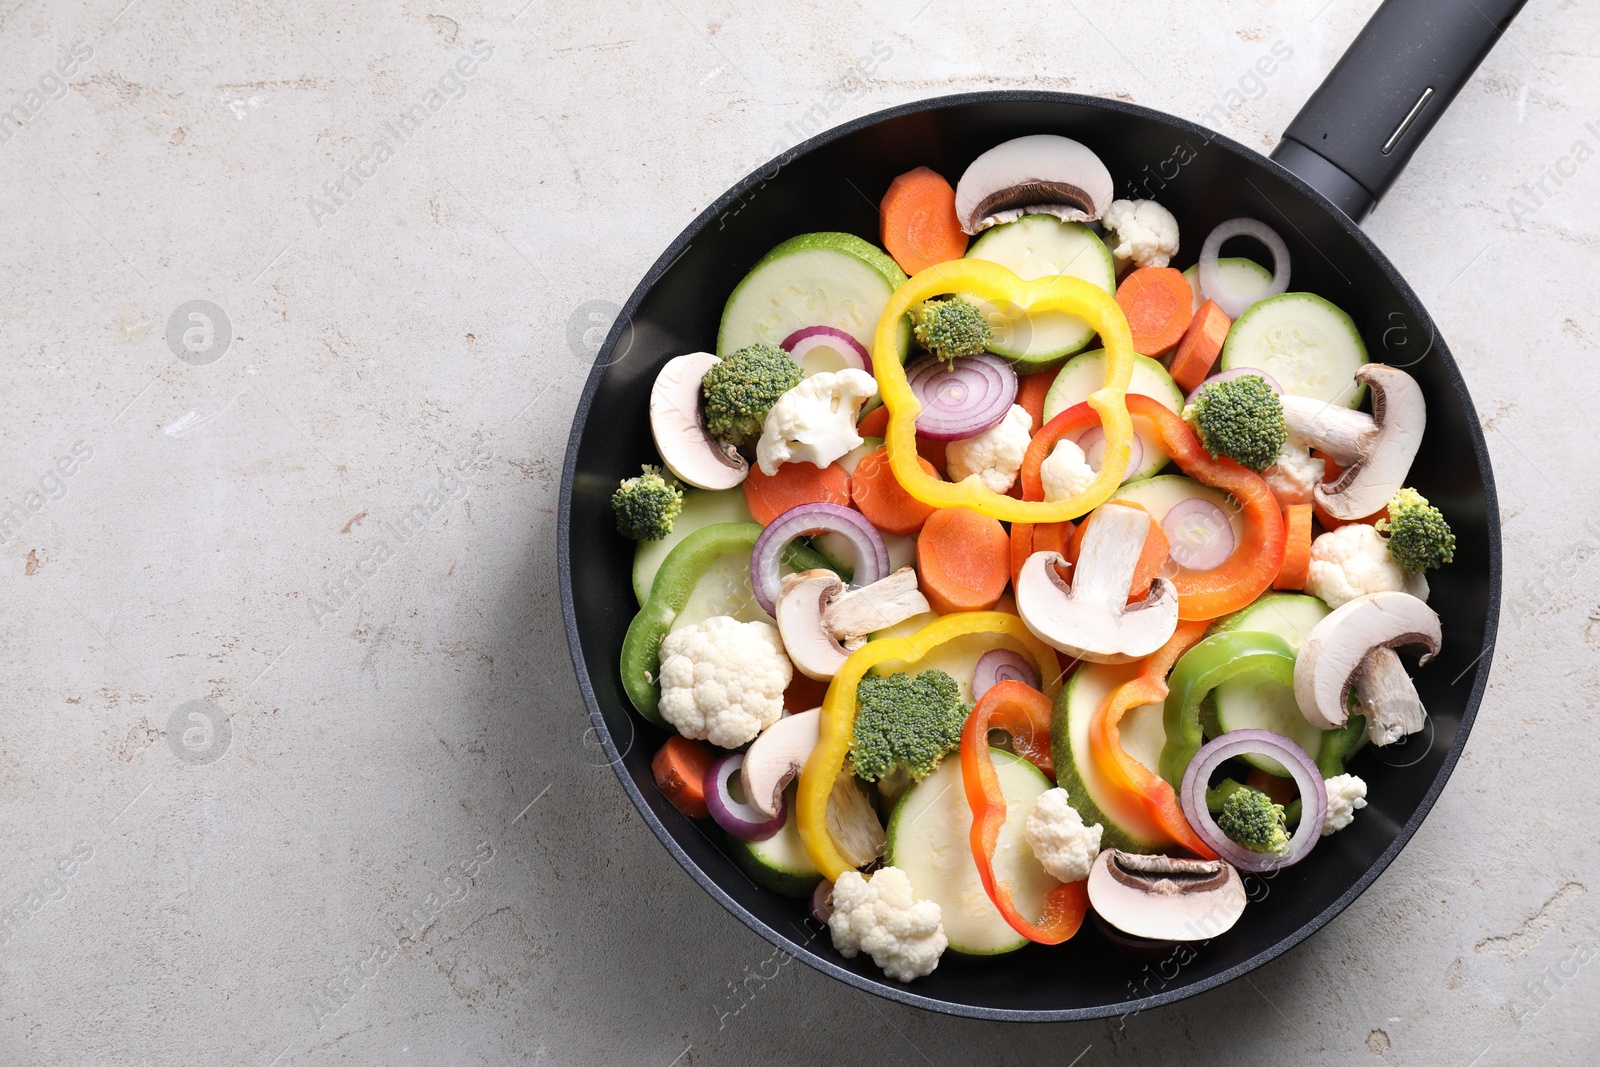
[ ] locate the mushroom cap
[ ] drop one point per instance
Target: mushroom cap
(679, 427)
(1333, 652)
(1043, 173)
(802, 600)
(775, 757)
(1399, 418)
(1165, 898)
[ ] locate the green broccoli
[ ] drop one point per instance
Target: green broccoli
(950, 328)
(1242, 419)
(741, 389)
(647, 506)
(1253, 821)
(906, 721)
(1418, 536)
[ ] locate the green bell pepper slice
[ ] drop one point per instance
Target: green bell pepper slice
(684, 566)
(1203, 668)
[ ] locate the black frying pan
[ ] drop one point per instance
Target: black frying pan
(1338, 157)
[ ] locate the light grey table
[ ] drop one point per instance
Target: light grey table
(282, 652)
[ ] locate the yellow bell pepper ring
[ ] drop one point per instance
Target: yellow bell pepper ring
(997, 285)
(837, 723)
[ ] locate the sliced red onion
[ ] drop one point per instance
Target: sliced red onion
(872, 557)
(804, 342)
(739, 818)
(1313, 796)
(1231, 301)
(1092, 442)
(1222, 376)
(822, 901)
(1001, 665)
(964, 398)
(1199, 533)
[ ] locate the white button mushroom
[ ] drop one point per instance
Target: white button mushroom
(1377, 449)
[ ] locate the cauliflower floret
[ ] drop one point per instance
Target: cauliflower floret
(722, 680)
(1065, 472)
(878, 916)
(815, 422)
(1295, 474)
(1062, 844)
(1145, 232)
(1350, 562)
(1347, 795)
(995, 455)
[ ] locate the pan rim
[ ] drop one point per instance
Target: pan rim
(905, 994)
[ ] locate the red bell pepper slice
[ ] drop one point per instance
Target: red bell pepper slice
(1024, 713)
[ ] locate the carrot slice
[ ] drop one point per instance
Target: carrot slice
(1021, 548)
(680, 767)
(963, 561)
(1152, 560)
(1201, 345)
(1031, 390)
(803, 694)
(1159, 305)
(793, 485)
(1297, 549)
(880, 497)
(918, 221)
(934, 452)
(874, 423)
(1279, 790)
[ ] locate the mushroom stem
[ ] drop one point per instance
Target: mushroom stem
(852, 822)
(1338, 431)
(878, 606)
(1388, 697)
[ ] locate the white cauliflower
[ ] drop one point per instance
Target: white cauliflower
(1146, 234)
(1352, 561)
(815, 422)
(1294, 475)
(722, 680)
(1062, 844)
(995, 455)
(1065, 472)
(879, 917)
(1347, 795)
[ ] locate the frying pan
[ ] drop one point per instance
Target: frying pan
(1336, 160)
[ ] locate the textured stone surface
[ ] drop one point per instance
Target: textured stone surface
(390, 413)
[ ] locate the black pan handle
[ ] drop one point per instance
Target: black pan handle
(1359, 129)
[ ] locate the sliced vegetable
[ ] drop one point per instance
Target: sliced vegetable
(1200, 533)
(1039, 173)
(1244, 276)
(678, 425)
(1099, 797)
(779, 862)
(1218, 287)
(1228, 375)
(1297, 548)
(871, 557)
(963, 561)
(1353, 648)
(1204, 667)
(1003, 665)
(878, 496)
(1082, 375)
(701, 508)
(1031, 392)
(1163, 898)
(815, 279)
(1313, 797)
(774, 759)
(1156, 301)
(770, 495)
(1376, 451)
(821, 623)
(1153, 557)
(732, 812)
(820, 349)
(1200, 346)
(1042, 246)
(962, 398)
(680, 768)
(917, 221)
(1309, 346)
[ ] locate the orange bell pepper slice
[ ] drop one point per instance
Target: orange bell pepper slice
(1024, 712)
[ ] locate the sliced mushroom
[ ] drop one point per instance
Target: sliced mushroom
(1039, 174)
(1353, 648)
(853, 822)
(679, 427)
(773, 759)
(1091, 619)
(1165, 898)
(1377, 449)
(821, 623)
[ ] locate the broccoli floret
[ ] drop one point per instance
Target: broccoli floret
(646, 506)
(1418, 536)
(1242, 419)
(1253, 821)
(950, 328)
(906, 721)
(741, 389)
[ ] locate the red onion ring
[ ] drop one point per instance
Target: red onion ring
(1231, 301)
(1200, 535)
(1001, 665)
(1092, 443)
(822, 901)
(1313, 796)
(872, 556)
(800, 343)
(963, 399)
(739, 818)
(1222, 376)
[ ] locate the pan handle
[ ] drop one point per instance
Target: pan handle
(1357, 132)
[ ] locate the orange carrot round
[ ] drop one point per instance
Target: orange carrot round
(874, 423)
(1158, 304)
(1201, 345)
(793, 485)
(1297, 548)
(918, 221)
(680, 767)
(963, 561)
(1031, 390)
(879, 497)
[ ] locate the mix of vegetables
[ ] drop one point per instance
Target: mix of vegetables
(985, 596)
